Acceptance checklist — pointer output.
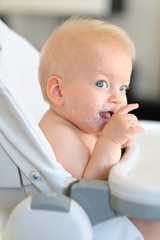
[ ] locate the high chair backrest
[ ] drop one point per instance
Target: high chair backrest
(27, 162)
(26, 145)
(19, 62)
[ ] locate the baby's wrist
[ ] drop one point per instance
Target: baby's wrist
(110, 140)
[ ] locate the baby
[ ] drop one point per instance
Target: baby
(84, 72)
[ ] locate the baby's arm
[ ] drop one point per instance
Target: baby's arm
(65, 140)
(120, 129)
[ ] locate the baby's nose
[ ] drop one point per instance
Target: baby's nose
(115, 97)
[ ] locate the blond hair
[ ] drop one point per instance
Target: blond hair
(75, 33)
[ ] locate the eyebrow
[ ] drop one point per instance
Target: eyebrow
(100, 71)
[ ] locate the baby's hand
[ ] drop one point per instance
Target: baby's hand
(123, 126)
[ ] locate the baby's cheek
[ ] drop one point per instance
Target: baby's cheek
(94, 122)
(125, 100)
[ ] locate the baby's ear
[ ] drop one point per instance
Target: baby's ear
(54, 90)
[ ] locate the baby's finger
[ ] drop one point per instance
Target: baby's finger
(138, 129)
(126, 109)
(136, 126)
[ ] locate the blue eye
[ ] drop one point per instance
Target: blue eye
(101, 84)
(122, 88)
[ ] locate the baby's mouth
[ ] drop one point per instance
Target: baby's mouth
(105, 115)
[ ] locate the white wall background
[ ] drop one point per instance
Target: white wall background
(140, 18)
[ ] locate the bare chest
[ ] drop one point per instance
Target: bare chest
(89, 141)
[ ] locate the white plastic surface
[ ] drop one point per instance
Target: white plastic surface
(137, 176)
(28, 224)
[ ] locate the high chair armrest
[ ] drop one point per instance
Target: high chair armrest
(94, 198)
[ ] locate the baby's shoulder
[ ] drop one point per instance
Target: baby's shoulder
(55, 126)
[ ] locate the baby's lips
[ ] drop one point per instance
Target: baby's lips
(105, 115)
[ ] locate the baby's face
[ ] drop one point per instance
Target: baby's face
(95, 87)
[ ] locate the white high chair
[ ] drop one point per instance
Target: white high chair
(39, 199)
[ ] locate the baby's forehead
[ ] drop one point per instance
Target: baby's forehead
(75, 46)
(81, 38)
